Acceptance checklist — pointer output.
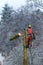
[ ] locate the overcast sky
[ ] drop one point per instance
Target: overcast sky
(14, 3)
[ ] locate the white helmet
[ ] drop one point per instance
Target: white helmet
(29, 26)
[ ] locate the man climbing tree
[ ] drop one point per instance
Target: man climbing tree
(30, 36)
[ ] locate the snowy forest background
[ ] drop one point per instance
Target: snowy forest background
(13, 22)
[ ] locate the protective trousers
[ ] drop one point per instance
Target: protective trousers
(29, 40)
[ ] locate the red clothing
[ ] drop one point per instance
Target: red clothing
(29, 37)
(29, 30)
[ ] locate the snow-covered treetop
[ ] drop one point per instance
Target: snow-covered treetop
(35, 4)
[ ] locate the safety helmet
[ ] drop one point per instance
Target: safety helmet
(29, 26)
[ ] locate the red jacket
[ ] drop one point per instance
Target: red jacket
(29, 37)
(29, 30)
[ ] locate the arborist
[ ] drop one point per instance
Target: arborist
(30, 36)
